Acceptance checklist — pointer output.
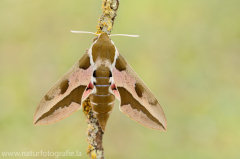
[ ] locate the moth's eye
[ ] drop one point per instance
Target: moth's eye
(94, 73)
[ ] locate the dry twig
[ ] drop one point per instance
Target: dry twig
(94, 132)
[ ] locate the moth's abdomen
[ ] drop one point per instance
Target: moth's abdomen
(102, 107)
(102, 100)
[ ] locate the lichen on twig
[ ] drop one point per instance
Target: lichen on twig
(106, 20)
(94, 133)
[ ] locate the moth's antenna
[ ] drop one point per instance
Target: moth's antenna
(134, 36)
(87, 32)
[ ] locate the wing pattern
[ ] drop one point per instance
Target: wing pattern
(65, 97)
(137, 101)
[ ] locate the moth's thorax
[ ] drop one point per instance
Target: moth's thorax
(103, 51)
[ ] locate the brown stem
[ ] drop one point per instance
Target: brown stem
(94, 131)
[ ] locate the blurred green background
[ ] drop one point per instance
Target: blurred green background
(188, 54)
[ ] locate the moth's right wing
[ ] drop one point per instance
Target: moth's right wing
(66, 96)
(137, 101)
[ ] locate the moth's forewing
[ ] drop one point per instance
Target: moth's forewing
(136, 100)
(65, 97)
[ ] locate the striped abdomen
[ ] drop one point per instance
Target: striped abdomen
(102, 100)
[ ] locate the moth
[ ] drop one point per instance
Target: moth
(101, 74)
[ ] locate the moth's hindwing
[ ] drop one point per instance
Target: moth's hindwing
(65, 97)
(136, 100)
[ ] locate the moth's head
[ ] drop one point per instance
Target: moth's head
(102, 37)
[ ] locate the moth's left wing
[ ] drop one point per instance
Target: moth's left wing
(66, 96)
(136, 100)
